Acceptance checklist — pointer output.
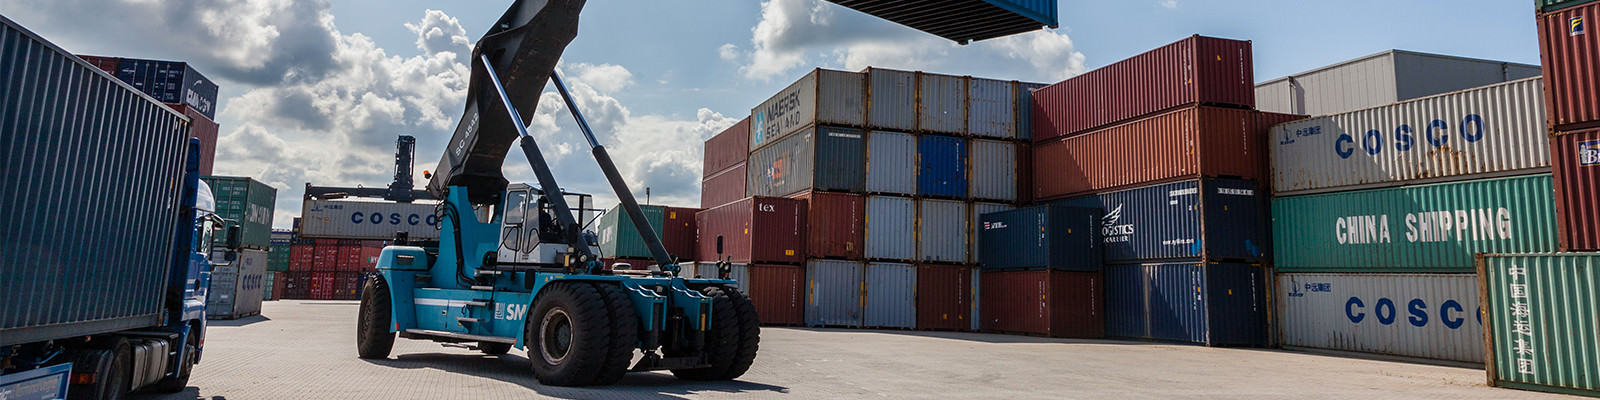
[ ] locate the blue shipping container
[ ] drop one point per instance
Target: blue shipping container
(1044, 236)
(1217, 219)
(1215, 304)
(941, 166)
(171, 82)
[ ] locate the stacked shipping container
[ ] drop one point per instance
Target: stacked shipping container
(1567, 50)
(329, 269)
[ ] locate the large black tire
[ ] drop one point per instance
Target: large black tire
(494, 348)
(186, 366)
(568, 334)
(373, 338)
(113, 372)
(624, 337)
(733, 339)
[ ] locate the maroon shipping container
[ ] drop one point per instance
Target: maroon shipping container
(1576, 159)
(349, 258)
(723, 188)
(1570, 54)
(297, 285)
(1198, 69)
(1182, 144)
(835, 224)
(279, 282)
(1048, 303)
(369, 258)
(323, 285)
(107, 64)
(347, 286)
(754, 230)
(944, 297)
(325, 257)
(302, 257)
(778, 292)
(678, 232)
(204, 129)
(727, 149)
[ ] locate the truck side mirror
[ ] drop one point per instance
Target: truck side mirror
(233, 239)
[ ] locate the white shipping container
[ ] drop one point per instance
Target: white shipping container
(941, 103)
(236, 288)
(820, 97)
(1379, 79)
(344, 219)
(1489, 131)
(1432, 316)
(891, 163)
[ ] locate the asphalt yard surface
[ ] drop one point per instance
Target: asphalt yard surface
(306, 350)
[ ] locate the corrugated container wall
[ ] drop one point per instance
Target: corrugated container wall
(1567, 44)
(678, 232)
(1183, 144)
(1577, 184)
(247, 203)
(941, 103)
(1025, 92)
(1427, 228)
(1433, 316)
(944, 297)
(964, 21)
(236, 289)
(1043, 236)
(824, 159)
(1492, 130)
(58, 273)
(1380, 79)
(942, 231)
(992, 108)
(366, 220)
(891, 228)
(778, 292)
(756, 229)
(891, 99)
(974, 255)
(891, 163)
(171, 82)
(891, 296)
(1543, 318)
(1046, 303)
(993, 170)
(820, 97)
(1553, 5)
(1194, 70)
(737, 272)
(1214, 219)
(834, 293)
(836, 225)
(725, 187)
(942, 166)
(1215, 304)
(728, 149)
(203, 128)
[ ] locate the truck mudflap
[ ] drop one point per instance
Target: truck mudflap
(46, 383)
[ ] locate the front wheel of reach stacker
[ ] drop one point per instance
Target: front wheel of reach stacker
(732, 339)
(374, 340)
(568, 334)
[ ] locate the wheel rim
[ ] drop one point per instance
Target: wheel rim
(555, 336)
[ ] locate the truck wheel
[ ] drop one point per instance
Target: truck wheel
(185, 367)
(494, 348)
(112, 374)
(732, 340)
(624, 332)
(373, 338)
(567, 334)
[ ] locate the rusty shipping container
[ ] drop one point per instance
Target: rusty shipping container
(778, 292)
(1570, 54)
(1577, 184)
(834, 293)
(891, 99)
(1182, 144)
(820, 97)
(1195, 70)
(678, 232)
(756, 229)
(889, 292)
(992, 108)
(823, 158)
(1044, 303)
(1541, 321)
(944, 297)
(723, 188)
(941, 103)
(727, 150)
(835, 225)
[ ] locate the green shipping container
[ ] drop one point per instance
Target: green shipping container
(1414, 229)
(619, 238)
(247, 202)
(1545, 6)
(278, 258)
(1543, 324)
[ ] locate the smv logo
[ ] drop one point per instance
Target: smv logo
(513, 312)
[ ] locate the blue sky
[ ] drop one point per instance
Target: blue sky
(315, 91)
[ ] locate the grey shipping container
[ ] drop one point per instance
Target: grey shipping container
(891, 295)
(739, 272)
(941, 103)
(891, 228)
(368, 220)
(976, 218)
(1380, 79)
(78, 146)
(1025, 109)
(820, 97)
(833, 293)
(248, 203)
(1218, 219)
(236, 289)
(942, 231)
(994, 170)
(992, 108)
(891, 163)
(1433, 316)
(1043, 236)
(823, 158)
(891, 99)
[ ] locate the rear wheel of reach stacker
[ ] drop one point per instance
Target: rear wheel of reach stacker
(373, 338)
(733, 339)
(567, 334)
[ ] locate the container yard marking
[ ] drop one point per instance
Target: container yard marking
(1480, 224)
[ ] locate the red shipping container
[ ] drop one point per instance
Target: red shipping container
(1569, 50)
(754, 230)
(727, 149)
(349, 258)
(723, 188)
(1183, 144)
(325, 258)
(107, 64)
(678, 232)
(302, 257)
(1047, 303)
(204, 129)
(323, 285)
(778, 292)
(835, 224)
(294, 285)
(1576, 161)
(1195, 70)
(944, 297)
(347, 286)
(369, 258)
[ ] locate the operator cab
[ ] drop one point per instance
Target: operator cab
(529, 234)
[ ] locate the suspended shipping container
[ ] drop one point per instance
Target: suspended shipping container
(992, 108)
(890, 295)
(1543, 318)
(236, 288)
(1380, 79)
(756, 229)
(975, 216)
(1043, 236)
(725, 187)
(942, 231)
(1567, 44)
(1182, 144)
(248, 203)
(820, 158)
(1413, 229)
(1432, 316)
(834, 295)
(966, 20)
(1577, 184)
(820, 97)
(1044, 303)
(1195, 70)
(727, 149)
(941, 166)
(891, 163)
(368, 220)
(835, 225)
(1486, 131)
(891, 228)
(620, 238)
(891, 99)
(941, 103)
(944, 298)
(994, 172)
(1210, 303)
(1218, 219)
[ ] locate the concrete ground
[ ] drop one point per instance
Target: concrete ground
(306, 350)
